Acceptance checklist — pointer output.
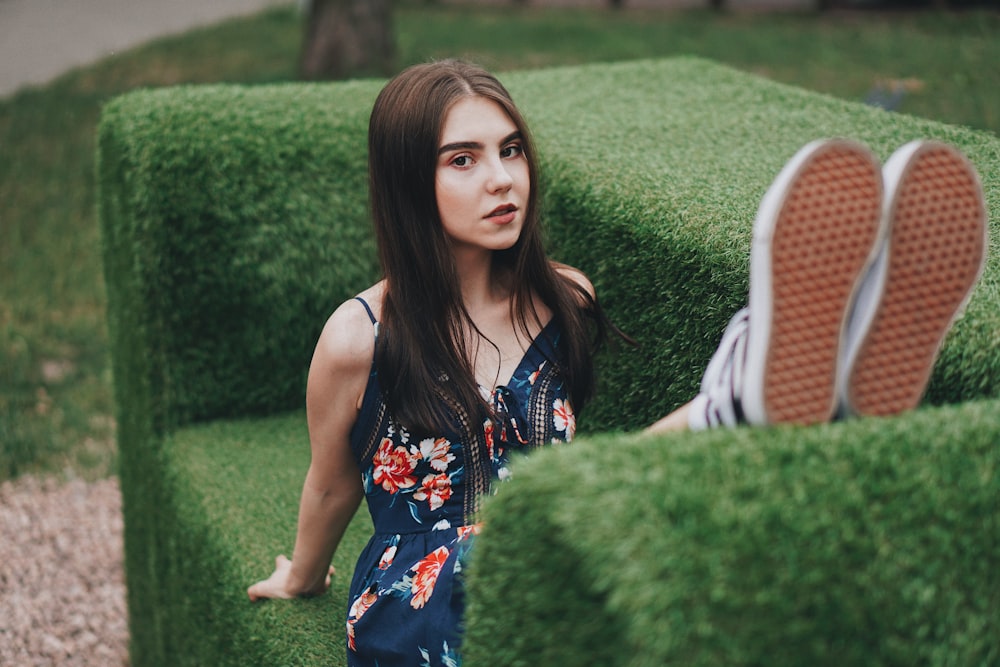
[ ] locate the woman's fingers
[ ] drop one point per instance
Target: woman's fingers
(273, 586)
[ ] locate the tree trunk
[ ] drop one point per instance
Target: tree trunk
(348, 38)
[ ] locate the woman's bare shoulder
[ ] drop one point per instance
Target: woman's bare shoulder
(576, 275)
(347, 341)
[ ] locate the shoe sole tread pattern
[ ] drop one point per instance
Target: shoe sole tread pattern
(937, 245)
(823, 237)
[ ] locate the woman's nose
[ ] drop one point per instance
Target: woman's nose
(500, 178)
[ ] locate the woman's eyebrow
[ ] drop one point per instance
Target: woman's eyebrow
(475, 145)
(461, 146)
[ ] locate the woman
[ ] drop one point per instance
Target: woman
(475, 345)
(472, 347)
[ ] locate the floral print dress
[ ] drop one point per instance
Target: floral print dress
(406, 598)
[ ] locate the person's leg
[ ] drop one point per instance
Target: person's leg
(814, 234)
(880, 323)
(931, 259)
(717, 402)
(675, 421)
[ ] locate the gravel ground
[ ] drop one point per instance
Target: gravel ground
(62, 585)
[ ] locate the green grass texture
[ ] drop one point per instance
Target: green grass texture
(872, 542)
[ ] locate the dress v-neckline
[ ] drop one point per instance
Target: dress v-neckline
(524, 358)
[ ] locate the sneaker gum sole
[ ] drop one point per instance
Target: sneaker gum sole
(936, 252)
(823, 238)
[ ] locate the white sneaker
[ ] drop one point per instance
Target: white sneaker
(930, 260)
(815, 233)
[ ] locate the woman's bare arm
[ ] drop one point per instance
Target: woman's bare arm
(332, 490)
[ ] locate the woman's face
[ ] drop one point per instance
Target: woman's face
(482, 181)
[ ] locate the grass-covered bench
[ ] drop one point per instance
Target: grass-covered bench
(234, 220)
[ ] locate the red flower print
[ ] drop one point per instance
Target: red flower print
(393, 467)
(564, 418)
(358, 609)
(425, 576)
(435, 489)
(436, 451)
(465, 532)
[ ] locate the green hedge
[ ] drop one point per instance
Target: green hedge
(234, 488)
(234, 220)
(240, 215)
(874, 543)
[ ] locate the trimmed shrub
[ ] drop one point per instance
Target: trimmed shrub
(234, 220)
(873, 542)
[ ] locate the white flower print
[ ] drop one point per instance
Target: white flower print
(437, 452)
(563, 417)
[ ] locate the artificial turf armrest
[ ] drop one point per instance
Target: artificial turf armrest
(874, 542)
(233, 220)
(232, 497)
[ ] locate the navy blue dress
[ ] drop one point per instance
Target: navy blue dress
(406, 597)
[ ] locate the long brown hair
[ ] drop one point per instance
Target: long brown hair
(421, 354)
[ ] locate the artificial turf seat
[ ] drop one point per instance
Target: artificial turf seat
(234, 221)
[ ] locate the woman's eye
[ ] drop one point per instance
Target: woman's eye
(513, 150)
(462, 161)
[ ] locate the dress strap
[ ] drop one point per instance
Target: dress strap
(368, 309)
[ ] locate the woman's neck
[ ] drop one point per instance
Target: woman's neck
(481, 287)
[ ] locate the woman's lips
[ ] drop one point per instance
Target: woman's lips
(503, 215)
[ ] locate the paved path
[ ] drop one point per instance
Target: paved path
(41, 39)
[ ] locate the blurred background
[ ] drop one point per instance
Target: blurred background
(932, 58)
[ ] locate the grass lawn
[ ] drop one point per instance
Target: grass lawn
(55, 384)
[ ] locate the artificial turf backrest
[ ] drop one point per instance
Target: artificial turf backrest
(654, 171)
(234, 220)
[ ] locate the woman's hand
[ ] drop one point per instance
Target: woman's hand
(277, 585)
